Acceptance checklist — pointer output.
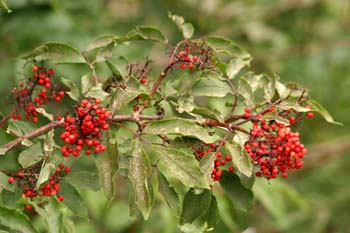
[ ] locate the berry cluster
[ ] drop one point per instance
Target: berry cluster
(27, 179)
(274, 148)
(219, 161)
(192, 56)
(24, 95)
(84, 128)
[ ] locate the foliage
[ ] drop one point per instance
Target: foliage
(190, 103)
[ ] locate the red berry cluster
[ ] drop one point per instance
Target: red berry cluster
(219, 161)
(274, 148)
(28, 179)
(187, 60)
(24, 95)
(84, 128)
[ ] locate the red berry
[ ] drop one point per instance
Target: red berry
(190, 66)
(11, 180)
(310, 115)
(182, 66)
(228, 158)
(182, 53)
(143, 80)
(28, 207)
(246, 115)
(231, 169)
(60, 198)
(67, 169)
(195, 58)
(135, 108)
(35, 68)
(292, 120)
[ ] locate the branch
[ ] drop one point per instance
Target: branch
(46, 128)
(34, 134)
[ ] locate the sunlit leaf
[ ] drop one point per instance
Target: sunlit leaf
(180, 126)
(57, 52)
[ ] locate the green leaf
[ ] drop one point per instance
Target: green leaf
(207, 112)
(207, 86)
(31, 155)
(168, 193)
(121, 98)
(180, 126)
(146, 33)
(101, 41)
(73, 200)
(235, 65)
(118, 66)
(207, 164)
(186, 28)
(268, 85)
(74, 92)
(97, 92)
(139, 174)
(105, 52)
(51, 212)
(240, 196)
(57, 52)
(107, 165)
(195, 205)
(4, 6)
(15, 220)
(84, 179)
(44, 174)
(315, 106)
(240, 158)
(45, 114)
(4, 184)
(246, 91)
(182, 166)
(226, 46)
(86, 83)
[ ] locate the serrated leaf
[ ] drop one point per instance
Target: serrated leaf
(107, 165)
(246, 91)
(139, 174)
(101, 41)
(240, 196)
(4, 184)
(240, 158)
(180, 126)
(97, 92)
(105, 52)
(73, 200)
(210, 87)
(45, 114)
(235, 65)
(268, 85)
(182, 166)
(15, 220)
(84, 179)
(51, 212)
(14, 128)
(195, 205)
(207, 164)
(226, 46)
(4, 6)
(57, 52)
(168, 193)
(186, 28)
(44, 174)
(121, 98)
(315, 106)
(118, 66)
(31, 155)
(146, 33)
(74, 92)
(86, 83)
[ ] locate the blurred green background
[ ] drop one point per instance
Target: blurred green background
(307, 41)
